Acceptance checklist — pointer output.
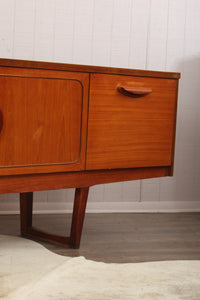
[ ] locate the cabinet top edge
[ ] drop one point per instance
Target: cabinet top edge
(17, 63)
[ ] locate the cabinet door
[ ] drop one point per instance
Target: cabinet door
(131, 122)
(41, 121)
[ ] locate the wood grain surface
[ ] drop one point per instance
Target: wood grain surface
(84, 68)
(128, 131)
(26, 217)
(43, 127)
(61, 180)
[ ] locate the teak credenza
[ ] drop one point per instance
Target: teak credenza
(73, 126)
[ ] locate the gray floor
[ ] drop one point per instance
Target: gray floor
(123, 237)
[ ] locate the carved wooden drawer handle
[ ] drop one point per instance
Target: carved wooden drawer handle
(134, 91)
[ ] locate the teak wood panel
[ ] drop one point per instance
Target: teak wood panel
(52, 181)
(4, 62)
(43, 127)
(134, 129)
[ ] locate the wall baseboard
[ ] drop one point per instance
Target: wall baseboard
(109, 207)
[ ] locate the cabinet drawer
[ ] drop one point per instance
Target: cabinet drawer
(42, 121)
(131, 121)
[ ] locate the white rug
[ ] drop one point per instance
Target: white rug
(29, 271)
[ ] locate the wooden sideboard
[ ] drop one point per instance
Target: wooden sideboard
(73, 126)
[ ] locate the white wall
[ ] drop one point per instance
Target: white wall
(144, 34)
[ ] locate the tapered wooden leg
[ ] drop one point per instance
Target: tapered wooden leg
(26, 211)
(27, 230)
(80, 203)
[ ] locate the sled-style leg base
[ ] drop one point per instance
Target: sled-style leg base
(73, 241)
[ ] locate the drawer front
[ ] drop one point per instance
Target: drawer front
(131, 122)
(42, 121)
